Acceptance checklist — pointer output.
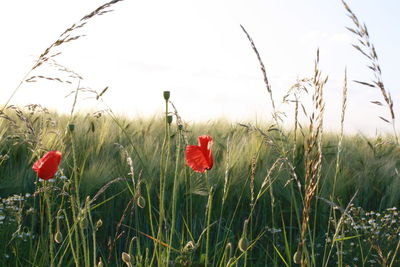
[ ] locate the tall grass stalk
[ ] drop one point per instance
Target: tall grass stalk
(367, 49)
(50, 53)
(267, 84)
(163, 176)
(313, 159)
(175, 185)
(47, 202)
(208, 223)
(70, 234)
(338, 161)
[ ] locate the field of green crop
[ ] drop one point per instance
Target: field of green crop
(124, 194)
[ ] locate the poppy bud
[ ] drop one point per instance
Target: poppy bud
(297, 256)
(228, 250)
(169, 119)
(100, 264)
(71, 127)
(126, 258)
(99, 223)
(189, 247)
(228, 254)
(180, 127)
(58, 237)
(84, 223)
(243, 244)
(166, 95)
(141, 202)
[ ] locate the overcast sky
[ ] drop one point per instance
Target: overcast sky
(197, 50)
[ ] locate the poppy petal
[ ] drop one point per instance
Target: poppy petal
(36, 166)
(205, 141)
(196, 159)
(47, 166)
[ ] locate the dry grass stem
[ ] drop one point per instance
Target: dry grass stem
(313, 155)
(366, 48)
(262, 67)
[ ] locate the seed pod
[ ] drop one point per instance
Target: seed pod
(166, 95)
(169, 119)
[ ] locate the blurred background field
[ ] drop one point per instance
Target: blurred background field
(242, 152)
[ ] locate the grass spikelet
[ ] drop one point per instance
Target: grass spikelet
(264, 73)
(367, 49)
(313, 156)
(50, 53)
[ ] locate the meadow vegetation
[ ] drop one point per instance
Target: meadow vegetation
(124, 195)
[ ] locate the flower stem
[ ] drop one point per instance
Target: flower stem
(209, 209)
(49, 220)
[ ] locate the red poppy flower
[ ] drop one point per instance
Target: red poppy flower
(200, 158)
(47, 166)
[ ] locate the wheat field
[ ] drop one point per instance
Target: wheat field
(125, 194)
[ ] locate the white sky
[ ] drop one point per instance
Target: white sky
(197, 50)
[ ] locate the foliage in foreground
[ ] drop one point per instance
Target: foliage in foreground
(119, 170)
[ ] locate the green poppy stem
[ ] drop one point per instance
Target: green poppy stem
(49, 220)
(209, 209)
